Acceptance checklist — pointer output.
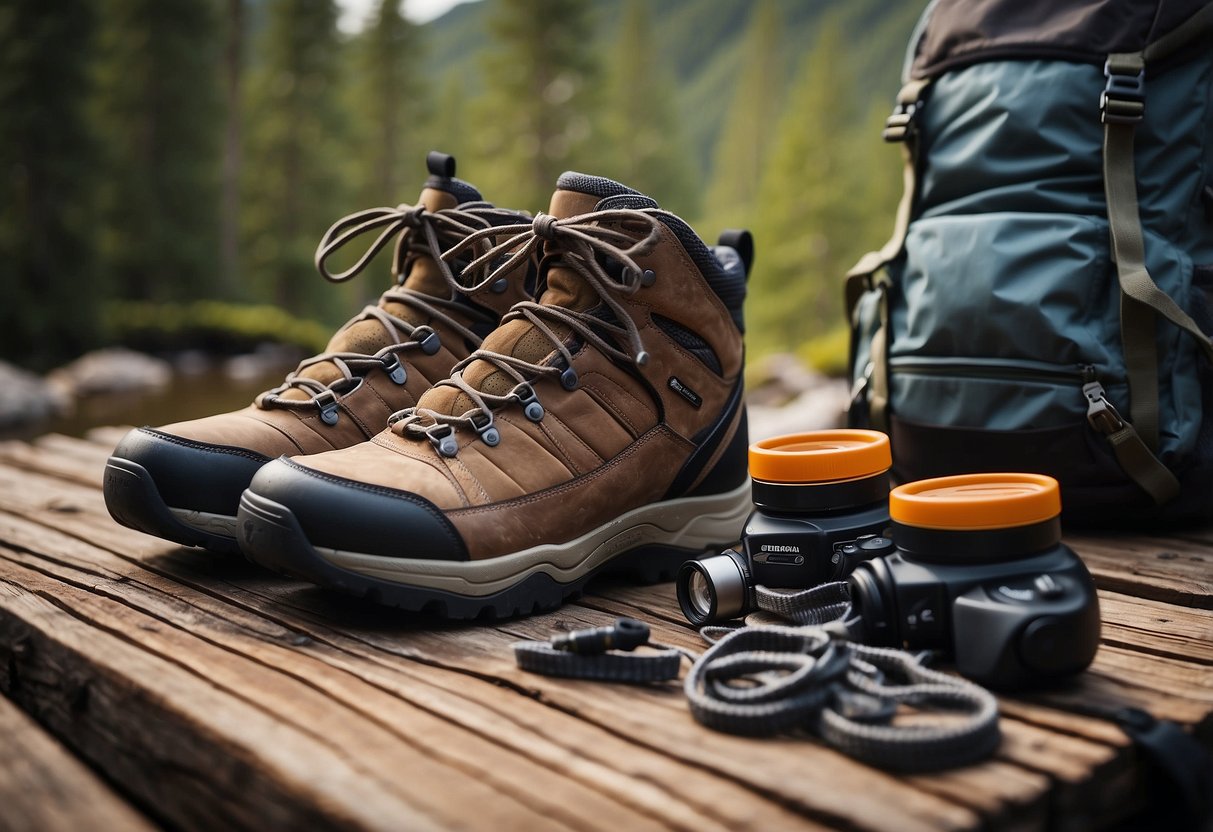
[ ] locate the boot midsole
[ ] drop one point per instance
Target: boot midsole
(206, 521)
(692, 523)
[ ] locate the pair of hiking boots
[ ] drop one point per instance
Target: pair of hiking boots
(562, 395)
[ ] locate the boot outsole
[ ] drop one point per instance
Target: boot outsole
(270, 536)
(134, 501)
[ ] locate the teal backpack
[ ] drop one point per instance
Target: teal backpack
(1044, 300)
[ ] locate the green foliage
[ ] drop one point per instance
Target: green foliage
(827, 352)
(157, 113)
(46, 154)
(644, 143)
(388, 109)
(212, 325)
(536, 115)
(123, 119)
(820, 201)
(293, 189)
(741, 151)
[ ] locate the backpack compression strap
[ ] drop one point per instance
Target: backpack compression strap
(862, 277)
(1122, 105)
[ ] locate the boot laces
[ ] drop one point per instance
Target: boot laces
(580, 243)
(418, 232)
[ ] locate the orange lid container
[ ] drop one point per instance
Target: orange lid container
(820, 456)
(973, 502)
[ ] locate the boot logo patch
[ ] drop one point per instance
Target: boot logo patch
(686, 392)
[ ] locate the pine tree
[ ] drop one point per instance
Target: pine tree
(233, 142)
(157, 109)
(389, 109)
(647, 148)
(811, 219)
(46, 173)
(540, 93)
(293, 184)
(742, 150)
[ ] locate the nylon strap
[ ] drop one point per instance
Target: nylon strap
(813, 607)
(540, 657)
(1145, 469)
(860, 278)
(766, 680)
(1141, 298)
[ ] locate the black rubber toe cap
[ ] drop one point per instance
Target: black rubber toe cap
(192, 475)
(357, 517)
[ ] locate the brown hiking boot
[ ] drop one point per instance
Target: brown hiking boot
(602, 426)
(183, 481)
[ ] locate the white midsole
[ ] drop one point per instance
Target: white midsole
(205, 521)
(693, 523)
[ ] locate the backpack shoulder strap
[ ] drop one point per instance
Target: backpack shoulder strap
(1122, 106)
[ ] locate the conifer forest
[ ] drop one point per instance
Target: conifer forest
(169, 166)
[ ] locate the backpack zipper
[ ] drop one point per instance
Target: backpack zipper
(1021, 370)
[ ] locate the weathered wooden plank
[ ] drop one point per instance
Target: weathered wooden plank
(1157, 628)
(1168, 569)
(43, 788)
(359, 769)
(333, 674)
(804, 764)
(366, 648)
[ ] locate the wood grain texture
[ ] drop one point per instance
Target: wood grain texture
(43, 788)
(323, 711)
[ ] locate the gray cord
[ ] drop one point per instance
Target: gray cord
(541, 657)
(766, 680)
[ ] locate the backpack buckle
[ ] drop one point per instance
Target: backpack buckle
(1100, 412)
(1123, 100)
(900, 124)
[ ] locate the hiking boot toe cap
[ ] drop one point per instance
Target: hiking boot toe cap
(356, 517)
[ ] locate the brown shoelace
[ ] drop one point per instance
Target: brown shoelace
(575, 243)
(418, 232)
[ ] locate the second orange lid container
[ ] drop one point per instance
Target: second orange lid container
(976, 501)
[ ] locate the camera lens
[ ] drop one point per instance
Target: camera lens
(714, 589)
(701, 595)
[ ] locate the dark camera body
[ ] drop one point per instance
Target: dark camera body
(798, 551)
(798, 537)
(1009, 620)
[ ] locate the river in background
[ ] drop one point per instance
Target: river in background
(186, 397)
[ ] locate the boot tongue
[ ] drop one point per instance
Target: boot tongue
(575, 194)
(369, 336)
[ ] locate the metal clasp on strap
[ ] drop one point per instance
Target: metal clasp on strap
(1123, 100)
(1100, 412)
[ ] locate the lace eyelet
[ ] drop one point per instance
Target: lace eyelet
(488, 433)
(442, 437)
(330, 411)
(531, 408)
(568, 379)
(394, 369)
(428, 339)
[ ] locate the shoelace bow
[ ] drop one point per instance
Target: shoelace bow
(573, 242)
(418, 231)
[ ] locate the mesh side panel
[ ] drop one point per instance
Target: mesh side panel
(462, 191)
(598, 186)
(635, 202)
(691, 342)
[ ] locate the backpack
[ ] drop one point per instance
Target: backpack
(1044, 300)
